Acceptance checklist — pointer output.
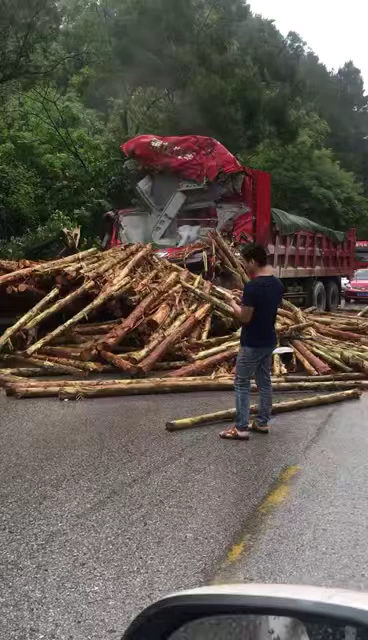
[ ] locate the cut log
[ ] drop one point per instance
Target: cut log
(46, 267)
(89, 367)
(30, 372)
(304, 362)
(214, 302)
(294, 329)
(60, 304)
(82, 315)
(202, 355)
(279, 407)
(118, 332)
(52, 366)
(85, 390)
(320, 366)
(158, 319)
(234, 261)
(334, 362)
(175, 336)
(21, 323)
(207, 364)
(341, 335)
(121, 364)
(355, 362)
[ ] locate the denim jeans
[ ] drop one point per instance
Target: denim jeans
(253, 361)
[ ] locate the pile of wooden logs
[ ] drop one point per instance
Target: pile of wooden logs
(158, 326)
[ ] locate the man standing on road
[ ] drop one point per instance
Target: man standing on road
(261, 299)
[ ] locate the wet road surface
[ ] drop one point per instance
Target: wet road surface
(104, 511)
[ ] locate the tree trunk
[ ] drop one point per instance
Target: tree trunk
(46, 267)
(202, 355)
(174, 337)
(60, 304)
(279, 407)
(320, 366)
(89, 367)
(82, 315)
(355, 362)
(52, 366)
(121, 364)
(364, 312)
(128, 324)
(341, 335)
(86, 390)
(214, 302)
(198, 367)
(332, 361)
(234, 261)
(158, 319)
(304, 362)
(9, 333)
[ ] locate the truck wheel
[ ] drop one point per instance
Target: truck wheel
(318, 296)
(332, 295)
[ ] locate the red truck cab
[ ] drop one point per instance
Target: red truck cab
(176, 214)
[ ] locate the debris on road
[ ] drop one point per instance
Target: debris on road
(128, 312)
(277, 407)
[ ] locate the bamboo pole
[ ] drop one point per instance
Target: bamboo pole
(157, 339)
(276, 365)
(295, 328)
(9, 333)
(279, 407)
(159, 317)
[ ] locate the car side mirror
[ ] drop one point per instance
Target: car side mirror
(257, 612)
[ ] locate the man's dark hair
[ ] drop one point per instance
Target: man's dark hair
(254, 252)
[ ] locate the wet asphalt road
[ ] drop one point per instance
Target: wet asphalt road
(103, 511)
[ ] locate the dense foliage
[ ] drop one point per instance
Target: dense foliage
(77, 77)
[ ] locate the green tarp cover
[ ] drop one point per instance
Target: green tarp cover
(287, 224)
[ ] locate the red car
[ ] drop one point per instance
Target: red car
(357, 288)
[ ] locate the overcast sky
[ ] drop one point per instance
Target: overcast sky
(336, 33)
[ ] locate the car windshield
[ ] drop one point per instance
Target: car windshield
(361, 275)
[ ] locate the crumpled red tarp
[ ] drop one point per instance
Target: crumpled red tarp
(193, 157)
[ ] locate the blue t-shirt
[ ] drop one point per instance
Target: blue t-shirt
(264, 294)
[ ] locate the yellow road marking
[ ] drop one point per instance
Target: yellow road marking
(274, 498)
(281, 491)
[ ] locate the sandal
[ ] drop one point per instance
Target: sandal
(232, 433)
(260, 428)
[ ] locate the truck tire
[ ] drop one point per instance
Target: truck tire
(317, 296)
(332, 296)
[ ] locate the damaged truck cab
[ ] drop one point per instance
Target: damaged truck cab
(194, 185)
